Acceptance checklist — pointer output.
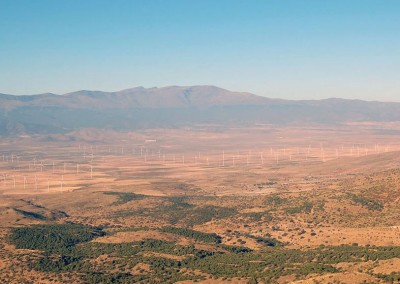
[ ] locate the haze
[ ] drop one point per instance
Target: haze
(280, 49)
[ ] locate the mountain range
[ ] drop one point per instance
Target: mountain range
(175, 106)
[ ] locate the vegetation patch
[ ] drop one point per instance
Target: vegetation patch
(124, 197)
(259, 216)
(275, 200)
(114, 262)
(200, 236)
(271, 242)
(52, 237)
(306, 207)
(178, 211)
(367, 203)
(393, 277)
(29, 214)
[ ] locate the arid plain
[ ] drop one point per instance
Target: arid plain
(205, 204)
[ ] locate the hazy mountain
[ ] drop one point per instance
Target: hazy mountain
(174, 106)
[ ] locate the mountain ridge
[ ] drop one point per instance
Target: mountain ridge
(171, 96)
(175, 106)
(129, 90)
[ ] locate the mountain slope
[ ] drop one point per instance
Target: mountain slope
(174, 106)
(167, 97)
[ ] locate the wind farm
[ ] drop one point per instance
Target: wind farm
(260, 189)
(229, 141)
(67, 166)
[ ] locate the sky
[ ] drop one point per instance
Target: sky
(288, 49)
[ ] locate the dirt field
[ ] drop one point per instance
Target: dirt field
(304, 187)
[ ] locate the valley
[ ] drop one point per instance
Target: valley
(260, 204)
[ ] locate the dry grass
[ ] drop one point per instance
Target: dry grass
(233, 168)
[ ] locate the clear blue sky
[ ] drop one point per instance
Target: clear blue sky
(295, 49)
